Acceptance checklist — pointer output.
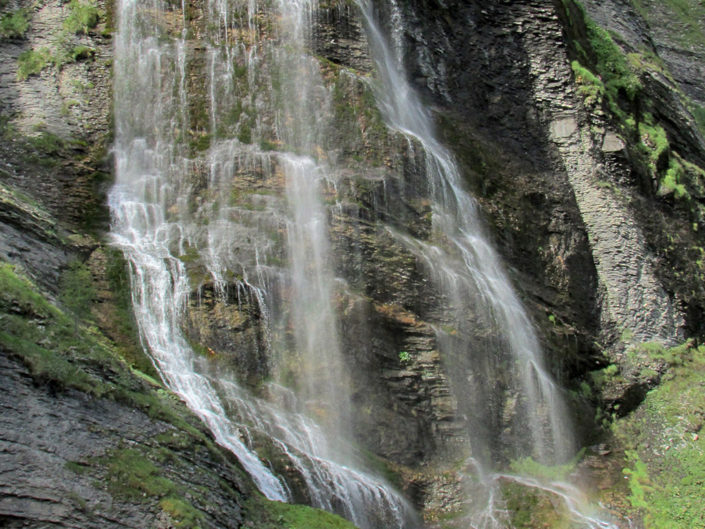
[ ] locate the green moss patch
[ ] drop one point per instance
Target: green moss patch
(663, 444)
(14, 25)
(32, 62)
(530, 508)
(263, 514)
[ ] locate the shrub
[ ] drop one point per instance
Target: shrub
(82, 17)
(15, 24)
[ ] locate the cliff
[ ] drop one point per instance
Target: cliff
(579, 128)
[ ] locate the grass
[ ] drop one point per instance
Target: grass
(134, 477)
(83, 16)
(32, 62)
(14, 25)
(664, 448)
(264, 514)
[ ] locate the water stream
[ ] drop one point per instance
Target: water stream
(176, 201)
(469, 274)
(221, 185)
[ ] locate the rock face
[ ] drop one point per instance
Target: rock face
(593, 195)
(593, 244)
(57, 445)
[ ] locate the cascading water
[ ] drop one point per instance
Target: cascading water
(222, 183)
(177, 200)
(468, 272)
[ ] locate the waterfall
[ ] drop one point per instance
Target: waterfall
(464, 265)
(468, 272)
(223, 196)
(188, 126)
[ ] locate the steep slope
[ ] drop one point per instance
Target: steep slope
(89, 437)
(584, 148)
(581, 146)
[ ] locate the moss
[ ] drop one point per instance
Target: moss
(672, 182)
(589, 86)
(687, 14)
(201, 143)
(82, 53)
(76, 467)
(264, 514)
(32, 62)
(608, 77)
(14, 25)
(244, 135)
(40, 335)
(653, 141)
(529, 508)
(35, 331)
(43, 337)
(185, 514)
(699, 115)
(134, 477)
(528, 467)
(663, 449)
(123, 319)
(76, 290)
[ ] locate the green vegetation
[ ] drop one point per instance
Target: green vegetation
(14, 25)
(76, 291)
(123, 320)
(527, 466)
(132, 476)
(40, 335)
(607, 77)
(47, 143)
(687, 14)
(529, 508)
(32, 62)
(654, 143)
(263, 514)
(48, 149)
(34, 330)
(44, 338)
(664, 448)
(83, 16)
(699, 115)
(404, 357)
(589, 86)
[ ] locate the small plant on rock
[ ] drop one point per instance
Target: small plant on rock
(31, 62)
(82, 17)
(14, 25)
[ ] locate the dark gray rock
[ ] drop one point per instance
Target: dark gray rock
(55, 449)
